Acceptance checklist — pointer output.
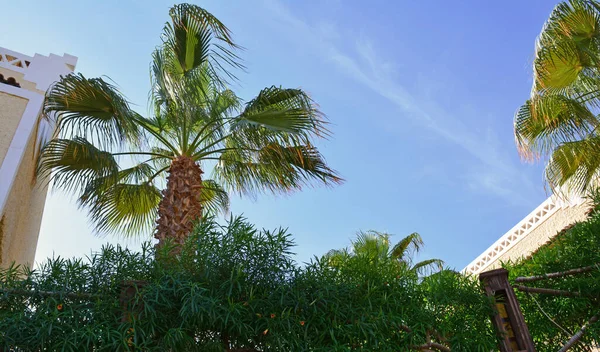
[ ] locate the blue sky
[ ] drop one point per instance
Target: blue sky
(420, 96)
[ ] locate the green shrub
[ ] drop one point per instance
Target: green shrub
(552, 320)
(237, 287)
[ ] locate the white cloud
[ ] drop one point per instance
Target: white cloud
(495, 173)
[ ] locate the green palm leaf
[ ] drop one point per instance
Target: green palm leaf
(273, 168)
(428, 266)
(128, 209)
(214, 198)
(90, 108)
(574, 165)
(71, 164)
(546, 121)
(283, 110)
(195, 38)
(409, 244)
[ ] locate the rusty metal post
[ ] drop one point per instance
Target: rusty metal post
(508, 318)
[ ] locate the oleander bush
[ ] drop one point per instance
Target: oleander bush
(236, 288)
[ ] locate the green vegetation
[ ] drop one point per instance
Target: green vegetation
(560, 119)
(552, 319)
(234, 288)
(374, 246)
(196, 124)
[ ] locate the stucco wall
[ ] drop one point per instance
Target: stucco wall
(22, 214)
(11, 110)
(542, 233)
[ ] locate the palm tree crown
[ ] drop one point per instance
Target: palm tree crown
(561, 117)
(196, 122)
(376, 247)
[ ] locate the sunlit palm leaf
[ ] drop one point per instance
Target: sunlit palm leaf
(577, 20)
(568, 43)
(90, 108)
(428, 266)
(546, 121)
(372, 245)
(336, 258)
(574, 165)
(407, 246)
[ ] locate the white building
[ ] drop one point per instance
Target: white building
(23, 83)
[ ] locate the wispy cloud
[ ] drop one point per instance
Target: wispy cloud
(493, 173)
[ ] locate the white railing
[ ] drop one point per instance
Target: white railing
(38, 69)
(14, 61)
(519, 232)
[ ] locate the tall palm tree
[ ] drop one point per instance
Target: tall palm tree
(375, 246)
(560, 119)
(195, 123)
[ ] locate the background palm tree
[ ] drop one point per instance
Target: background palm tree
(376, 247)
(265, 144)
(561, 117)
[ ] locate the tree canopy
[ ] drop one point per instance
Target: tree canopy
(115, 161)
(560, 119)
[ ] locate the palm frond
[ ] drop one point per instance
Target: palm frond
(408, 245)
(568, 44)
(546, 121)
(194, 38)
(214, 198)
(274, 168)
(574, 166)
(123, 208)
(558, 66)
(371, 244)
(428, 266)
(335, 258)
(282, 110)
(90, 108)
(71, 164)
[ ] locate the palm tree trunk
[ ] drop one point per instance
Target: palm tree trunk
(180, 207)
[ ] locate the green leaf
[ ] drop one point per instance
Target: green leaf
(90, 108)
(407, 246)
(71, 164)
(127, 209)
(194, 38)
(574, 166)
(546, 121)
(214, 198)
(274, 168)
(283, 110)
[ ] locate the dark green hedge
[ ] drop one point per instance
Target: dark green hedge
(234, 286)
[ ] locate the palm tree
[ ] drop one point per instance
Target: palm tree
(561, 117)
(375, 247)
(196, 122)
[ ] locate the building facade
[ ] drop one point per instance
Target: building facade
(23, 83)
(537, 228)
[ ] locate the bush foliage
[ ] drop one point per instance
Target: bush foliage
(235, 288)
(552, 320)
